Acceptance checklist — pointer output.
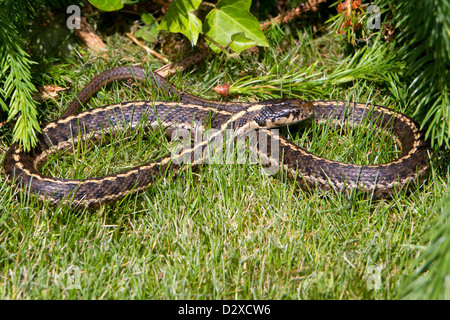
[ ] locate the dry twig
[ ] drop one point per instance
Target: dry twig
(310, 5)
(149, 50)
(87, 34)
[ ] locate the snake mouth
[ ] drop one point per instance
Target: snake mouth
(287, 117)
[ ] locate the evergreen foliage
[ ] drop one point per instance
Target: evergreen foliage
(16, 87)
(16, 83)
(425, 46)
(432, 276)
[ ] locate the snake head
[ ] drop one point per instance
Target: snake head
(281, 112)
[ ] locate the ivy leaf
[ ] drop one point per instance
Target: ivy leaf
(107, 5)
(239, 42)
(179, 18)
(231, 17)
(150, 31)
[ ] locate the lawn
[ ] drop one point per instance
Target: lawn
(222, 231)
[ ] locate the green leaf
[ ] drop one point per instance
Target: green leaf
(231, 17)
(107, 5)
(150, 31)
(240, 42)
(180, 19)
(147, 18)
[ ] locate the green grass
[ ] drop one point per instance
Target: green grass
(222, 231)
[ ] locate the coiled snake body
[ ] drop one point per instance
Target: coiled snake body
(308, 169)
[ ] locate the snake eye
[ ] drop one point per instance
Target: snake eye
(286, 113)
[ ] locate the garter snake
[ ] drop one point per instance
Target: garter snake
(308, 169)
